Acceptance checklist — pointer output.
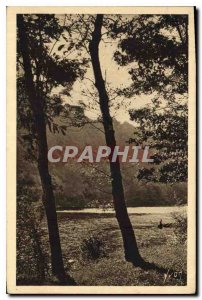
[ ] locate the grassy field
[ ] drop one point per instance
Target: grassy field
(155, 245)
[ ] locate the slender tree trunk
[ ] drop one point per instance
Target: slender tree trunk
(129, 240)
(36, 104)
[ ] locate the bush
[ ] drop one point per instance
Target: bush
(32, 262)
(93, 247)
(180, 226)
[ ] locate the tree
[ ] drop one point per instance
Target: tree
(166, 133)
(158, 45)
(129, 240)
(83, 36)
(37, 90)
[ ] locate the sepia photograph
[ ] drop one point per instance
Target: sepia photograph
(101, 168)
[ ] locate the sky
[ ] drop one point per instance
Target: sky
(115, 75)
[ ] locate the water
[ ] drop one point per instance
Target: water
(132, 210)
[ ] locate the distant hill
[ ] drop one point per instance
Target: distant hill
(90, 134)
(79, 186)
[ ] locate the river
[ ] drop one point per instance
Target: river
(132, 210)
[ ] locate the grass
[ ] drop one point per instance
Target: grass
(155, 245)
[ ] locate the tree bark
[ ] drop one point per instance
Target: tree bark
(36, 104)
(129, 240)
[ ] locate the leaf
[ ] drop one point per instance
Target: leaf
(60, 47)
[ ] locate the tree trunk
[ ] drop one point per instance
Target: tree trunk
(36, 104)
(129, 240)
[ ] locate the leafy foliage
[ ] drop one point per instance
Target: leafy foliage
(158, 45)
(180, 227)
(32, 263)
(156, 49)
(49, 71)
(167, 133)
(93, 247)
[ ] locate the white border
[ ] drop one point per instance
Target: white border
(3, 69)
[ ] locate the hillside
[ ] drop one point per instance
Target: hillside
(88, 185)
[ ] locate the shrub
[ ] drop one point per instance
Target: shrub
(93, 247)
(180, 226)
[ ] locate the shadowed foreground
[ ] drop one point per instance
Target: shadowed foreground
(165, 254)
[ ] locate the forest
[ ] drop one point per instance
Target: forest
(102, 80)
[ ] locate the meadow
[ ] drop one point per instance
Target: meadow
(165, 248)
(158, 246)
